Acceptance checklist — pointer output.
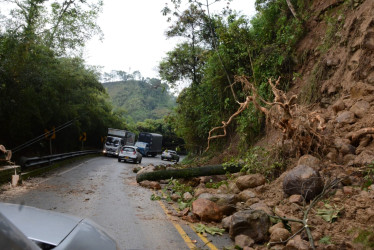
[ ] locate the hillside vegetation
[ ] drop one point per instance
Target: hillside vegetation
(139, 100)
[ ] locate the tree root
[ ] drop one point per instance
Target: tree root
(297, 124)
(354, 137)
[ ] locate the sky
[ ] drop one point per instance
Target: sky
(134, 35)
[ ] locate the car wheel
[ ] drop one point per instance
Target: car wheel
(140, 160)
(177, 160)
(119, 160)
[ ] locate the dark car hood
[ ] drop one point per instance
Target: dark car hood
(40, 225)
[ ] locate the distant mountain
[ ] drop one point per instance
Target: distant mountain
(138, 100)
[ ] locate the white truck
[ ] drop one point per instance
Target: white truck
(117, 138)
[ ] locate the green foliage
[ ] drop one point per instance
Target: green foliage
(334, 22)
(310, 92)
(366, 238)
(215, 185)
(155, 197)
(271, 164)
(369, 175)
(227, 45)
(42, 88)
(329, 214)
(201, 228)
(326, 240)
(176, 187)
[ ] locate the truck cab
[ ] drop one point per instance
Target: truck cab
(112, 145)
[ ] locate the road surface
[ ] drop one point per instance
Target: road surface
(105, 190)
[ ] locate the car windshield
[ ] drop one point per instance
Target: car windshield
(112, 141)
(140, 144)
(128, 149)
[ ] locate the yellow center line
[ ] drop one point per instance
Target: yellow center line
(204, 239)
(180, 230)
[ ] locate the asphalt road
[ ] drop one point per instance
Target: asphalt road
(106, 191)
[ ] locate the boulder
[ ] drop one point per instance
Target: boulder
(338, 106)
(207, 210)
(253, 223)
(279, 234)
(147, 169)
(226, 222)
(297, 243)
(278, 225)
(303, 180)
(360, 108)
(310, 161)
(244, 241)
(344, 147)
(250, 181)
(261, 206)
(187, 196)
(233, 188)
(175, 196)
(245, 195)
(346, 117)
(226, 202)
(150, 184)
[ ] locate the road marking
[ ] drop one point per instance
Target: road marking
(207, 242)
(180, 230)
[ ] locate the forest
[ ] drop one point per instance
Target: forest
(45, 83)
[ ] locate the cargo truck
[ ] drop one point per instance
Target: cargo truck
(149, 143)
(117, 138)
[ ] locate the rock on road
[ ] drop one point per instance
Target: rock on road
(105, 191)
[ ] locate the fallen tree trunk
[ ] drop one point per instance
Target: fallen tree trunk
(187, 172)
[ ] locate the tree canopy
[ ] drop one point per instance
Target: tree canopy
(44, 82)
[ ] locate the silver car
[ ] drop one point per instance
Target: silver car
(170, 155)
(130, 153)
(24, 227)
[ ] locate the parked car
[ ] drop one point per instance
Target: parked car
(170, 155)
(130, 153)
(24, 227)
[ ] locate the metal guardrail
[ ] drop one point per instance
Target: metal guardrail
(34, 161)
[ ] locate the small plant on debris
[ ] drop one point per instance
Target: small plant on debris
(259, 160)
(215, 185)
(369, 175)
(326, 240)
(365, 238)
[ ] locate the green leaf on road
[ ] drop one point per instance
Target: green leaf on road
(201, 228)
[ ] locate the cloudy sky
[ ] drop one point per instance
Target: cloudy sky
(134, 35)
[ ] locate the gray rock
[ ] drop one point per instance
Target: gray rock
(226, 222)
(253, 223)
(360, 108)
(244, 241)
(303, 180)
(346, 117)
(261, 206)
